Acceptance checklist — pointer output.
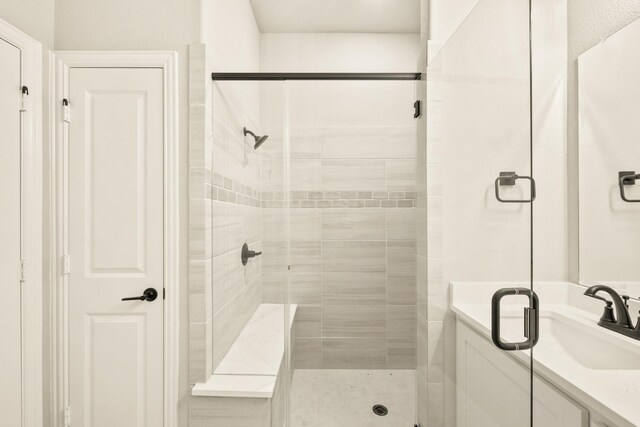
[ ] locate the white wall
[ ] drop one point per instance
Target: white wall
(34, 17)
(230, 31)
(339, 52)
(445, 16)
(142, 24)
(485, 110)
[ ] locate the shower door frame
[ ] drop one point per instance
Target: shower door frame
(313, 76)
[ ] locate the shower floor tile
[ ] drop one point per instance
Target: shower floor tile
(345, 398)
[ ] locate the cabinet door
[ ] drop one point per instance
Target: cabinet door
(493, 389)
(553, 408)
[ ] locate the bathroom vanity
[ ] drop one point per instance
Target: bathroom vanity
(584, 375)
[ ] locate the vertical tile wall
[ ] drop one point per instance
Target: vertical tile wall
(352, 225)
(273, 212)
(224, 213)
(200, 315)
(235, 193)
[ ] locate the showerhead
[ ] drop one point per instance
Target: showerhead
(258, 139)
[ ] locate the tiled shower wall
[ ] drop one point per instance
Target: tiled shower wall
(352, 226)
(235, 195)
(225, 196)
(200, 321)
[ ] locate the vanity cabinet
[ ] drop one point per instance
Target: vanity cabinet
(493, 389)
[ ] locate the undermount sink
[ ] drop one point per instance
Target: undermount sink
(597, 367)
(587, 345)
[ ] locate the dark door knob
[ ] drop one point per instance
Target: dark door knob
(149, 294)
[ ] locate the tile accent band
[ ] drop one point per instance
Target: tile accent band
(225, 189)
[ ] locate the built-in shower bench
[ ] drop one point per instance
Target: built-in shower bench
(246, 388)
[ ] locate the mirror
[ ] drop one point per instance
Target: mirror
(609, 147)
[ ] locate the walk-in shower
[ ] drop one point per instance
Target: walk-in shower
(333, 297)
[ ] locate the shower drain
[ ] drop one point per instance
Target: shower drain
(380, 410)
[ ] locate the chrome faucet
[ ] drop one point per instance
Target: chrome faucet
(623, 325)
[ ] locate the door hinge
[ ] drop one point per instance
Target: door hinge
(23, 267)
(23, 98)
(416, 109)
(66, 111)
(66, 264)
(67, 417)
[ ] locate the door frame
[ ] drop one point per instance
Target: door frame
(64, 62)
(31, 223)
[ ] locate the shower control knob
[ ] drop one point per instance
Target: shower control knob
(246, 254)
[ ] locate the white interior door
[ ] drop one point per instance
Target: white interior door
(115, 232)
(10, 239)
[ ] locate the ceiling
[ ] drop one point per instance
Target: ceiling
(337, 16)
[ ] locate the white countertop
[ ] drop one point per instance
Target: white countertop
(581, 370)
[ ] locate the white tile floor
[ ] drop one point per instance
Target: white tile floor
(344, 398)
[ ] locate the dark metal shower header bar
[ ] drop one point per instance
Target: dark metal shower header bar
(314, 76)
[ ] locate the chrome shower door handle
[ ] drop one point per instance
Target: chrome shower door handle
(531, 320)
(509, 179)
(627, 178)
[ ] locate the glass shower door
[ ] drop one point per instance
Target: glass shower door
(353, 252)
(480, 194)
